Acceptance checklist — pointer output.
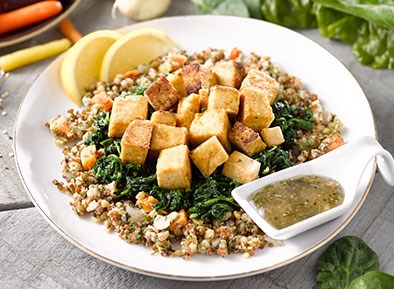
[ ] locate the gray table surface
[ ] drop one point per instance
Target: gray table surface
(34, 255)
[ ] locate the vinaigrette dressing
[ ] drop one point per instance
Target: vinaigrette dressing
(290, 201)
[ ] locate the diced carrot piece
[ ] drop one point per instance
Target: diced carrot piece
(177, 61)
(59, 125)
(103, 100)
(132, 74)
(180, 221)
(335, 142)
(88, 157)
(235, 53)
(141, 195)
(147, 203)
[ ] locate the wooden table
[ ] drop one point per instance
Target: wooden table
(34, 255)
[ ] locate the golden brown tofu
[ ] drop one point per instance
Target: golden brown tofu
(124, 111)
(241, 168)
(272, 136)
(196, 76)
(164, 117)
(166, 136)
(204, 95)
(229, 73)
(255, 110)
(210, 123)
(209, 155)
(173, 168)
(162, 94)
(135, 142)
(246, 139)
(187, 108)
(224, 97)
(176, 80)
(261, 80)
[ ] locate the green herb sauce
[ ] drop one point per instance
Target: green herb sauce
(290, 201)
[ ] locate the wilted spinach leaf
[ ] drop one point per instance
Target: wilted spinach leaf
(273, 160)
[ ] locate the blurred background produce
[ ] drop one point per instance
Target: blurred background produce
(365, 25)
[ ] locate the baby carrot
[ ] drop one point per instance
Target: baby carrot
(28, 55)
(29, 15)
(69, 31)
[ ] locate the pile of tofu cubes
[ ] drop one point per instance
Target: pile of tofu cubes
(208, 117)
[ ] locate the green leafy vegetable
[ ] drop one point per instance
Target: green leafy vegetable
(380, 12)
(343, 261)
(372, 44)
(273, 160)
(172, 200)
(290, 121)
(100, 133)
(212, 197)
(290, 13)
(222, 7)
(373, 280)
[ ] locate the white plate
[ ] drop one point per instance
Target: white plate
(38, 158)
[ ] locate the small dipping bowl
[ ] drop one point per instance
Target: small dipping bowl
(345, 165)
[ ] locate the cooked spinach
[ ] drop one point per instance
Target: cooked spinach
(172, 200)
(290, 121)
(373, 279)
(343, 261)
(100, 129)
(273, 160)
(212, 197)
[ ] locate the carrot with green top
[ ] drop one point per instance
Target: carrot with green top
(29, 15)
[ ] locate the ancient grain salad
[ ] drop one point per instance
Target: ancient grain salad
(155, 154)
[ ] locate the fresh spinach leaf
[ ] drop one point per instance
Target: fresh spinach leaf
(380, 12)
(373, 280)
(222, 7)
(372, 44)
(343, 261)
(290, 13)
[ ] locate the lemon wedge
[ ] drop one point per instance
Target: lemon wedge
(82, 62)
(137, 47)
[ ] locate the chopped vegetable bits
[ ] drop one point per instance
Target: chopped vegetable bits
(159, 162)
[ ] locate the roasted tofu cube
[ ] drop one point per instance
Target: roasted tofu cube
(209, 155)
(166, 136)
(173, 168)
(210, 123)
(224, 97)
(255, 110)
(229, 73)
(196, 76)
(246, 139)
(272, 136)
(187, 108)
(164, 117)
(135, 142)
(176, 80)
(241, 168)
(162, 94)
(204, 95)
(261, 80)
(124, 111)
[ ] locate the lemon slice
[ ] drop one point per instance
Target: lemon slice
(137, 47)
(82, 62)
